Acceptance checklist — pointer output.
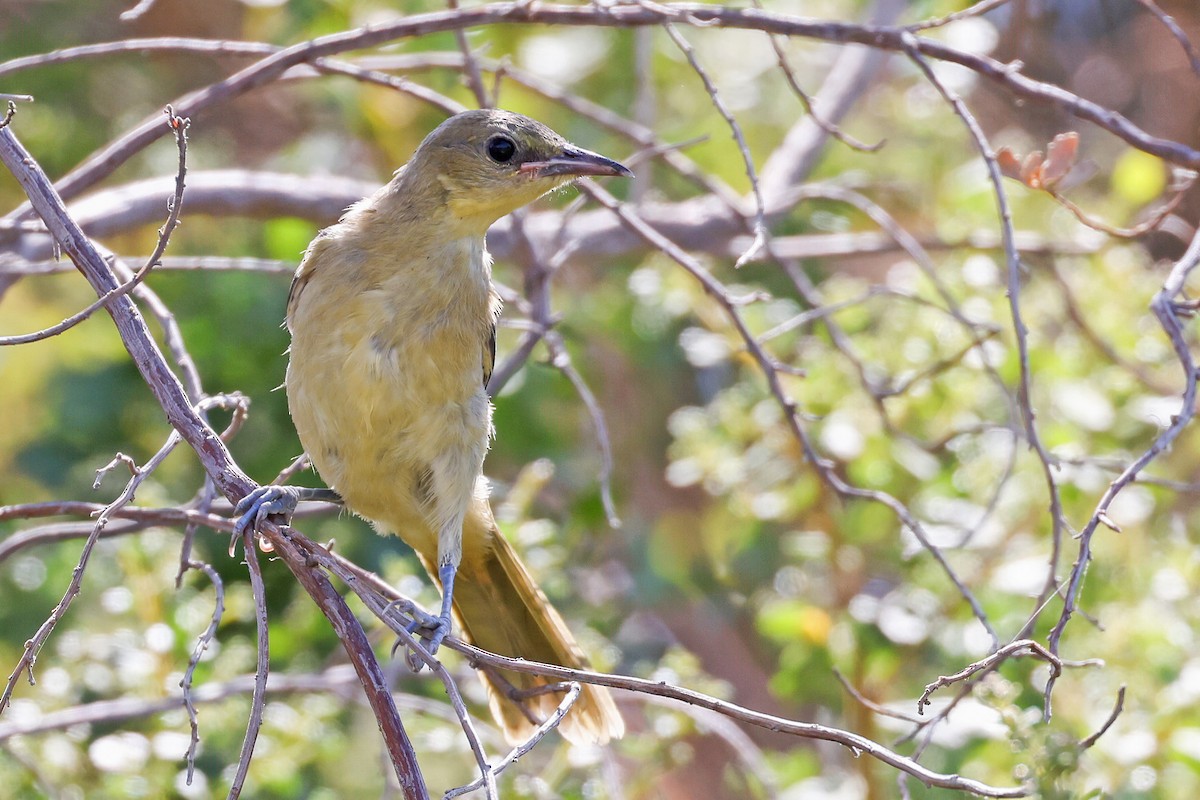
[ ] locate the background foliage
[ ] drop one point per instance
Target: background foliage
(737, 570)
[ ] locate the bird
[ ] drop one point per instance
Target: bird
(392, 315)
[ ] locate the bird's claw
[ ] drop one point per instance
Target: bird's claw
(430, 630)
(254, 508)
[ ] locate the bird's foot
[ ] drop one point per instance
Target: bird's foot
(431, 629)
(254, 508)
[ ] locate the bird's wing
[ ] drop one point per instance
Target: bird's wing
(489, 350)
(489, 356)
(304, 273)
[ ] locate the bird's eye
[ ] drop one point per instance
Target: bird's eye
(501, 149)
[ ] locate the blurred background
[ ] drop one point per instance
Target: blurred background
(736, 571)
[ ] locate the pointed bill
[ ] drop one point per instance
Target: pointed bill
(576, 162)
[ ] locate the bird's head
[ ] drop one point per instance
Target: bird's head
(489, 162)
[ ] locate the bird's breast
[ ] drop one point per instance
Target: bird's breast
(384, 372)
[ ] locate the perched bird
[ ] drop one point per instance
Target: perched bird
(393, 321)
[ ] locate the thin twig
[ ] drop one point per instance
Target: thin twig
(34, 645)
(1166, 308)
(213, 454)
(1023, 647)
(1141, 228)
(381, 599)
(202, 643)
(1177, 32)
(561, 360)
(1020, 332)
(806, 102)
(760, 222)
(538, 734)
(976, 10)
(471, 71)
(1086, 743)
(179, 126)
(770, 371)
(262, 666)
(137, 11)
(871, 705)
(420, 657)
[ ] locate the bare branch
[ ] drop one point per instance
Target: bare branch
(34, 645)
(137, 11)
(381, 599)
(179, 126)
(1020, 332)
(1168, 309)
(1086, 743)
(1022, 647)
(976, 10)
(262, 667)
(771, 372)
(539, 733)
(1177, 32)
(760, 223)
(202, 643)
(1010, 79)
(218, 463)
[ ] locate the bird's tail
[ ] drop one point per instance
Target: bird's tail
(501, 609)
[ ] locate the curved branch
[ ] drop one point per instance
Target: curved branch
(270, 68)
(213, 455)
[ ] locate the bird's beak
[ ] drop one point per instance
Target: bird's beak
(576, 162)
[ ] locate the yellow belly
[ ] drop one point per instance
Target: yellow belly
(388, 399)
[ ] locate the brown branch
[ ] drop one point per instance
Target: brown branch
(202, 643)
(770, 371)
(1086, 743)
(262, 667)
(1022, 647)
(1167, 309)
(270, 68)
(808, 730)
(381, 599)
(1177, 32)
(1141, 228)
(354, 640)
(1020, 332)
(179, 126)
(9, 112)
(213, 455)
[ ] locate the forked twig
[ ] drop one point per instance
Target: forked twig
(180, 126)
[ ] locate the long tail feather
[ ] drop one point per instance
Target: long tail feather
(501, 609)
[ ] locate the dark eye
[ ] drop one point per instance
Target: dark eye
(501, 149)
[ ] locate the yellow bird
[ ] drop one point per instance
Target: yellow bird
(393, 321)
